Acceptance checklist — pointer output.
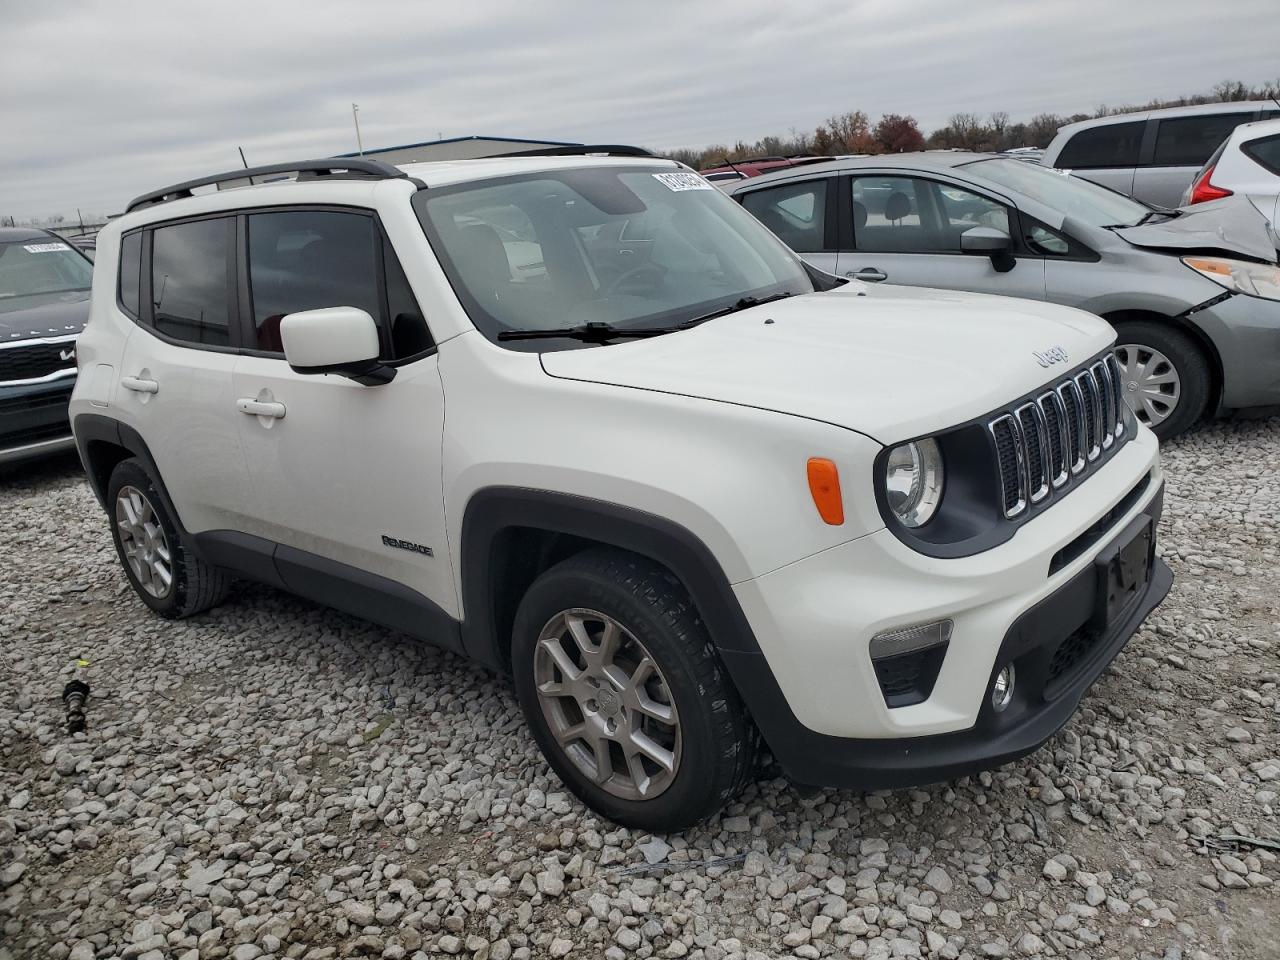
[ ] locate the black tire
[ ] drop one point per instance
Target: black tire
(1189, 362)
(718, 738)
(195, 585)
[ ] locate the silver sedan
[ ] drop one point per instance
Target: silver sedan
(1193, 294)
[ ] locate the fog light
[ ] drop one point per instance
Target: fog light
(893, 643)
(1002, 689)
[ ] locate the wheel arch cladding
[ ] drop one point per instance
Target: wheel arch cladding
(103, 443)
(501, 523)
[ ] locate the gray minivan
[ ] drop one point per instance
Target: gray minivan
(1152, 155)
(1193, 294)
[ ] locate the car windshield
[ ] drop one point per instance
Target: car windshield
(40, 268)
(629, 247)
(1071, 196)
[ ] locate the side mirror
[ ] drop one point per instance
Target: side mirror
(341, 340)
(990, 242)
(985, 240)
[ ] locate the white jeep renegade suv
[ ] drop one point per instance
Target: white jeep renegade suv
(585, 420)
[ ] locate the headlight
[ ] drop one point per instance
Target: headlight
(913, 481)
(1241, 276)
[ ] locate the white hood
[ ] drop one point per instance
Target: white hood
(894, 364)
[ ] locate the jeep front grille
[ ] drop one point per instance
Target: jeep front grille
(35, 361)
(1052, 439)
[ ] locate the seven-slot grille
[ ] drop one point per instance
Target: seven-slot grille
(1050, 439)
(36, 359)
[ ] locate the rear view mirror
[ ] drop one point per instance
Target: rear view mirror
(341, 340)
(990, 242)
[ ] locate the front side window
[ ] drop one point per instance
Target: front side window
(312, 259)
(1110, 145)
(1073, 197)
(912, 215)
(1190, 141)
(41, 270)
(190, 293)
(795, 212)
(628, 246)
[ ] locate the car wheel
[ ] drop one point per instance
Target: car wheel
(161, 566)
(625, 694)
(1164, 375)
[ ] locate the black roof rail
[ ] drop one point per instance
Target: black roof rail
(339, 169)
(585, 149)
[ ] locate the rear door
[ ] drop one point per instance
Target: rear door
(345, 472)
(1177, 148)
(799, 214)
(906, 229)
(1106, 154)
(175, 385)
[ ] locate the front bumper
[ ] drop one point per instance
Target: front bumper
(815, 696)
(33, 419)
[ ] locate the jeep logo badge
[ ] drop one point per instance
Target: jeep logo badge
(1047, 358)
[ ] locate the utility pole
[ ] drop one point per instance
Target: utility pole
(355, 116)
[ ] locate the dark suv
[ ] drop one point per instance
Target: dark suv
(44, 303)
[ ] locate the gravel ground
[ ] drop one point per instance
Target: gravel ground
(274, 779)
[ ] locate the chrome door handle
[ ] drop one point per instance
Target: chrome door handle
(260, 408)
(138, 385)
(869, 274)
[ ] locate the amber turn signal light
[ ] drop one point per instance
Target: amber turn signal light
(824, 484)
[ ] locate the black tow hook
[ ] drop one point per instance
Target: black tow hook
(74, 695)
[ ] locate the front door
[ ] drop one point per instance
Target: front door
(907, 230)
(341, 471)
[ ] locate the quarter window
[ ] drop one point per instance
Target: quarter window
(1265, 152)
(189, 289)
(795, 212)
(130, 273)
(1110, 145)
(1190, 141)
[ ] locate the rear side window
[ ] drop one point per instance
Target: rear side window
(1112, 145)
(311, 259)
(1265, 152)
(189, 281)
(795, 212)
(131, 273)
(1190, 141)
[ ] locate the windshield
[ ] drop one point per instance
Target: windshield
(40, 268)
(1072, 196)
(630, 247)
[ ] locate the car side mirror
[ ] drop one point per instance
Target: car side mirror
(990, 242)
(341, 340)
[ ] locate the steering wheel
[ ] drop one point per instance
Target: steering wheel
(635, 271)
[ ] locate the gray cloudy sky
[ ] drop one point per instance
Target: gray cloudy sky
(102, 101)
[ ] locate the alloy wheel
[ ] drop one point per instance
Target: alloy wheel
(142, 540)
(1150, 382)
(607, 704)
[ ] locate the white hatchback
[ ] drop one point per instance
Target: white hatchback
(1246, 163)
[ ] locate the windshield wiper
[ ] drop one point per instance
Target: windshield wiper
(598, 331)
(594, 331)
(745, 303)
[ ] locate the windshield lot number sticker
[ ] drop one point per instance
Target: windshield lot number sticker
(43, 247)
(682, 181)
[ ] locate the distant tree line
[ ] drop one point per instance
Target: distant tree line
(854, 133)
